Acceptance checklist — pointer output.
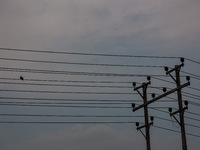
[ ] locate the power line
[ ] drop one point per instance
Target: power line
(86, 64)
(157, 78)
(67, 99)
(194, 61)
(176, 131)
(86, 122)
(74, 72)
(43, 84)
(63, 122)
(73, 116)
(67, 106)
(192, 75)
(76, 100)
(78, 53)
(191, 125)
(64, 92)
(73, 81)
(77, 103)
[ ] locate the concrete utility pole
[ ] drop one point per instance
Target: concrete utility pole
(180, 111)
(180, 103)
(146, 116)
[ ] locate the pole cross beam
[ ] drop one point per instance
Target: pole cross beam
(161, 96)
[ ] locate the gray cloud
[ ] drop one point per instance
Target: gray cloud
(66, 24)
(97, 137)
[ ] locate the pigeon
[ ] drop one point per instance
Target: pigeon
(22, 78)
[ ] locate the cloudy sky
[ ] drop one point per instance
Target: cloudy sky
(168, 28)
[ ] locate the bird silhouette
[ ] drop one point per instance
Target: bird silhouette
(22, 78)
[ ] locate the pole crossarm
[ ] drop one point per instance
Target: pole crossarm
(161, 96)
(178, 111)
(175, 68)
(144, 126)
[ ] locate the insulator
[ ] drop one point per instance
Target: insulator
(134, 84)
(182, 59)
(166, 69)
(170, 109)
(153, 95)
(151, 118)
(188, 78)
(137, 124)
(164, 89)
(186, 103)
(133, 105)
(148, 78)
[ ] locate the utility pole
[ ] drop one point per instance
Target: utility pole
(146, 116)
(180, 103)
(180, 111)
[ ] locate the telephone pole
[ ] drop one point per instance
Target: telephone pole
(146, 116)
(180, 111)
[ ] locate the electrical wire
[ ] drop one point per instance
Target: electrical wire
(78, 53)
(71, 116)
(67, 92)
(73, 81)
(74, 72)
(85, 64)
(194, 61)
(76, 103)
(63, 122)
(163, 128)
(65, 85)
(64, 106)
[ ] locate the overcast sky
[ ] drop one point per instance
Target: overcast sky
(129, 27)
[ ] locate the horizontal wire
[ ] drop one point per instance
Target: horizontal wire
(77, 100)
(65, 85)
(192, 75)
(86, 64)
(73, 81)
(166, 112)
(77, 53)
(192, 118)
(70, 116)
(197, 114)
(72, 85)
(191, 125)
(193, 97)
(63, 122)
(194, 61)
(163, 80)
(86, 116)
(175, 131)
(74, 72)
(67, 106)
(76, 122)
(65, 99)
(197, 89)
(77, 103)
(66, 92)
